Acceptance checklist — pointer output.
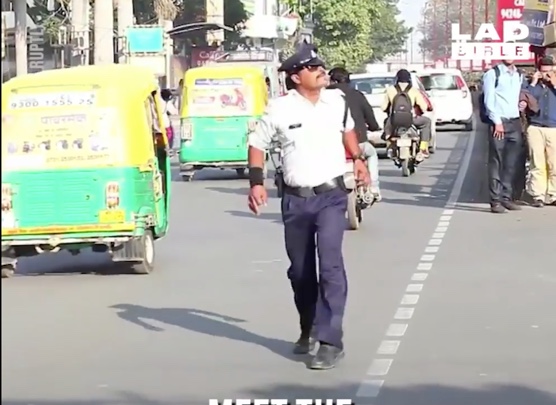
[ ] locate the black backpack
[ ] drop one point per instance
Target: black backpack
(401, 110)
(483, 113)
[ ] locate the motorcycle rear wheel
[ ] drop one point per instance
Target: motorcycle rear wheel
(406, 172)
(354, 214)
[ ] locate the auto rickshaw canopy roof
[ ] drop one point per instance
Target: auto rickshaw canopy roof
(134, 81)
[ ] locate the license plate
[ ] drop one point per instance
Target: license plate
(111, 216)
(403, 142)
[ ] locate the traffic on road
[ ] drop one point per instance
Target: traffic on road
(372, 268)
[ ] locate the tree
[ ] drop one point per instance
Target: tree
(352, 32)
(390, 35)
(342, 30)
(438, 15)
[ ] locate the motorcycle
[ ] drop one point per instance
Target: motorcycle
(403, 149)
(359, 197)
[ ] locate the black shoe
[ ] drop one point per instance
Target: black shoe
(511, 206)
(327, 357)
(538, 204)
(497, 208)
(304, 345)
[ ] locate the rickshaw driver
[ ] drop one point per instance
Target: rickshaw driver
(314, 130)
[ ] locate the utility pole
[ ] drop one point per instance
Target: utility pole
(125, 20)
(104, 32)
(20, 11)
(80, 32)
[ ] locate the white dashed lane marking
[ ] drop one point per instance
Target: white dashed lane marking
(376, 374)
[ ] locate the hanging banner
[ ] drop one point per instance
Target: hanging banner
(535, 17)
(511, 10)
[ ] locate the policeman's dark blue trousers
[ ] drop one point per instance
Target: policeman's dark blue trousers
(314, 226)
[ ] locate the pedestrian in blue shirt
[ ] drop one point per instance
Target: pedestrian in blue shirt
(541, 136)
(501, 95)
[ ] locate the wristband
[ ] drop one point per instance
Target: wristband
(256, 176)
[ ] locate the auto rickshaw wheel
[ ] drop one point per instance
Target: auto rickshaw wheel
(8, 270)
(187, 177)
(146, 248)
(241, 173)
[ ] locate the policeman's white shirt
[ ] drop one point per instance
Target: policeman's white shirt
(310, 136)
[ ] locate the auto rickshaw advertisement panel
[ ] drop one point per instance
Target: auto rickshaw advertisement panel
(48, 139)
(212, 97)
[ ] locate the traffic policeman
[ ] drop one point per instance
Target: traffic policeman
(314, 129)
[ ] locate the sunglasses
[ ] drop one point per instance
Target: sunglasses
(310, 68)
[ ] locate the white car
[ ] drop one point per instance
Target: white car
(373, 86)
(451, 95)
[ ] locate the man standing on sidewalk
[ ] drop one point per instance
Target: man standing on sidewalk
(541, 136)
(501, 87)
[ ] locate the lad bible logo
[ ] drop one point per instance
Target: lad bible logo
(490, 44)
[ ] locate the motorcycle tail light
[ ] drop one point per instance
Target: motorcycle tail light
(7, 197)
(112, 194)
(186, 130)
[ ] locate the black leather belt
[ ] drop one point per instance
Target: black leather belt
(337, 182)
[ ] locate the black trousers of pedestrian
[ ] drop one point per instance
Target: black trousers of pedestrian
(503, 160)
(314, 226)
(520, 173)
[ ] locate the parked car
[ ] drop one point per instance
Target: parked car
(373, 86)
(451, 95)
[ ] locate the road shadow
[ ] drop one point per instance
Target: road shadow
(63, 264)
(274, 217)
(203, 322)
(207, 175)
(429, 394)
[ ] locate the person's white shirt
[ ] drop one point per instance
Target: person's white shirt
(310, 136)
(168, 109)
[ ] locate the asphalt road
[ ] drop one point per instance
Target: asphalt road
(448, 304)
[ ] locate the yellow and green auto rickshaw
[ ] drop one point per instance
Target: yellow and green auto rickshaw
(84, 164)
(221, 105)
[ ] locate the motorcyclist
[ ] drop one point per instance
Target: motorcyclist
(403, 80)
(364, 119)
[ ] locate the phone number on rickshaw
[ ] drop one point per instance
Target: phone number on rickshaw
(82, 99)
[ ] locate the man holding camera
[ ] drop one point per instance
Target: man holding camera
(541, 136)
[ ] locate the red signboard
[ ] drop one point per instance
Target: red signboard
(509, 10)
(201, 56)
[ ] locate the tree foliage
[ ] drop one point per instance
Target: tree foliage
(389, 36)
(352, 32)
(438, 15)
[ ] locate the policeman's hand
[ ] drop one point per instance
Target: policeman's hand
(361, 173)
(522, 106)
(498, 131)
(257, 198)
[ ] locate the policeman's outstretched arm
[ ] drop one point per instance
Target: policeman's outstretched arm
(259, 142)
